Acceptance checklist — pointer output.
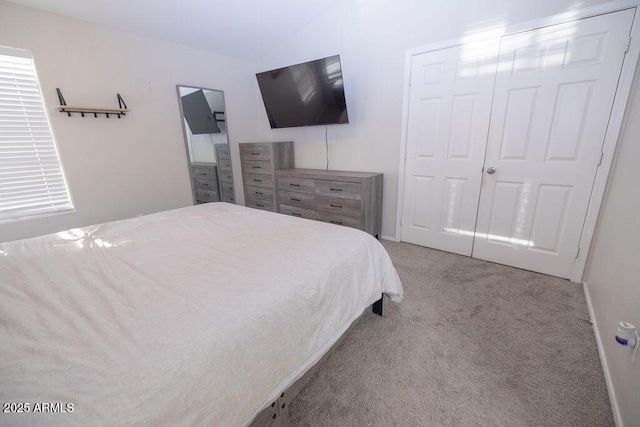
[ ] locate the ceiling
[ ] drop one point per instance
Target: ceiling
(244, 29)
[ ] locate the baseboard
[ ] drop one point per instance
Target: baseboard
(617, 418)
(393, 239)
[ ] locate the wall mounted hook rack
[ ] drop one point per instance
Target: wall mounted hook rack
(64, 108)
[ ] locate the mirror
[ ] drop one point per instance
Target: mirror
(204, 122)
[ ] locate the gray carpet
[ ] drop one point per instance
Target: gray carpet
(473, 343)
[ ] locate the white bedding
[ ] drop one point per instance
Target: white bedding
(200, 315)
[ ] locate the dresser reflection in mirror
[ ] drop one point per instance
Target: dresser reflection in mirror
(204, 123)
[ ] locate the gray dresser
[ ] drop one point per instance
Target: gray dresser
(225, 173)
(353, 199)
(205, 182)
(260, 161)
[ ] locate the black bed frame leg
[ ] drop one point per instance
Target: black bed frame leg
(377, 307)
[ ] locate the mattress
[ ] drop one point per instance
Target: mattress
(199, 315)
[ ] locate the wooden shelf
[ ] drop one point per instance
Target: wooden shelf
(74, 109)
(64, 108)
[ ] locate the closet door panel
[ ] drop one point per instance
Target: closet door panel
(553, 97)
(449, 110)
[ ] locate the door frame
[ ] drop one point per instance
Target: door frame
(616, 120)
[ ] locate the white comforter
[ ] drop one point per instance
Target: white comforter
(199, 315)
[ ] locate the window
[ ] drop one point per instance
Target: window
(31, 177)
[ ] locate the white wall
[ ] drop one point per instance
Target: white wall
(372, 37)
(613, 269)
(138, 164)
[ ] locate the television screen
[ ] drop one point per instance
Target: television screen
(307, 94)
(198, 114)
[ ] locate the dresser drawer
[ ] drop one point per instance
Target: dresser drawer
(226, 186)
(259, 192)
(299, 212)
(228, 193)
(204, 196)
(302, 185)
(339, 189)
(226, 176)
(265, 181)
(338, 219)
(256, 153)
(299, 200)
(224, 164)
(223, 152)
(228, 196)
(205, 173)
(266, 205)
(257, 166)
(339, 206)
(205, 184)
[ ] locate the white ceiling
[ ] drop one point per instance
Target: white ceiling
(244, 29)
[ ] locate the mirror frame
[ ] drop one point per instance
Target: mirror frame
(186, 139)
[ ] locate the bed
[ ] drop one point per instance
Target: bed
(195, 316)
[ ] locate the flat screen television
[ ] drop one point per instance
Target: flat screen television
(198, 113)
(307, 94)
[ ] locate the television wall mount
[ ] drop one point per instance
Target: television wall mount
(219, 119)
(122, 109)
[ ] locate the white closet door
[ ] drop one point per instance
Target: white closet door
(448, 121)
(553, 97)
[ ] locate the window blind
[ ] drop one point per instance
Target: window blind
(31, 177)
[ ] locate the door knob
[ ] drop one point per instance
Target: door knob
(491, 170)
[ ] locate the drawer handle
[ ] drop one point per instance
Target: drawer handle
(259, 205)
(336, 206)
(255, 154)
(257, 167)
(296, 200)
(204, 174)
(335, 189)
(295, 185)
(257, 180)
(204, 184)
(336, 222)
(259, 192)
(296, 214)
